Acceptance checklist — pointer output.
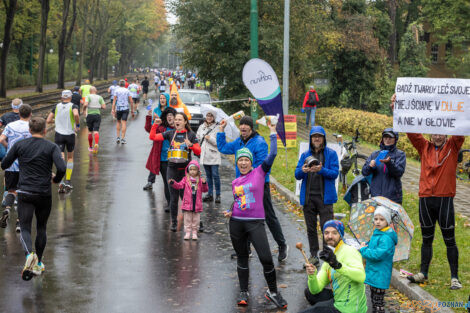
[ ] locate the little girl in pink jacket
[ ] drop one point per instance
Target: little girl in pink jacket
(194, 185)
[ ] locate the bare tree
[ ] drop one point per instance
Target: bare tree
(45, 6)
(10, 10)
(64, 39)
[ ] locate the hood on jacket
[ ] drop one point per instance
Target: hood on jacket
(389, 232)
(157, 109)
(316, 129)
(392, 147)
(193, 162)
(214, 114)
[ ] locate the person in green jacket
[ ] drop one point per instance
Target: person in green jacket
(342, 268)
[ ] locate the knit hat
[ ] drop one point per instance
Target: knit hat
(384, 212)
(244, 152)
(336, 224)
(16, 103)
(247, 120)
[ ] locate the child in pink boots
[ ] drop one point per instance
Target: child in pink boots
(194, 185)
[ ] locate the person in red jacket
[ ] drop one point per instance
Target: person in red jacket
(182, 142)
(309, 106)
(437, 185)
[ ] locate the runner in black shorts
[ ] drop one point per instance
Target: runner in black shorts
(145, 88)
(92, 108)
(122, 103)
(67, 122)
(65, 142)
(122, 115)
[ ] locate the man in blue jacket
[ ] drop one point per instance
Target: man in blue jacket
(318, 191)
(388, 169)
(259, 148)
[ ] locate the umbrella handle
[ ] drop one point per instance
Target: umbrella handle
(355, 237)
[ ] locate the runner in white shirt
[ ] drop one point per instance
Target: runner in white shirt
(67, 123)
(134, 90)
(14, 132)
(122, 103)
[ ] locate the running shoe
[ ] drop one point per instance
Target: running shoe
(90, 149)
(61, 187)
(95, 148)
(455, 284)
(417, 278)
(283, 252)
(31, 261)
(38, 269)
(149, 186)
(18, 228)
(118, 140)
(276, 298)
(4, 218)
(123, 141)
(243, 298)
(68, 186)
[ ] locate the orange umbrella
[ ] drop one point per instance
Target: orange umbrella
(180, 104)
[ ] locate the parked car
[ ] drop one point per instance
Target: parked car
(193, 99)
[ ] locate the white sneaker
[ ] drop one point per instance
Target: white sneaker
(455, 284)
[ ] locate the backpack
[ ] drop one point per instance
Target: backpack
(312, 98)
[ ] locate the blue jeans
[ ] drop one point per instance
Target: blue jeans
(310, 115)
(212, 173)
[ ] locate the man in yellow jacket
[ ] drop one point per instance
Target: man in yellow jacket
(342, 268)
(176, 103)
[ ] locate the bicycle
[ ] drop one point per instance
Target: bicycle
(348, 157)
(463, 170)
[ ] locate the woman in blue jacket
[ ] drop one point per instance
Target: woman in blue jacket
(318, 191)
(386, 166)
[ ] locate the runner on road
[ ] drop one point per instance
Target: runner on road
(247, 221)
(85, 90)
(35, 156)
(67, 122)
(14, 132)
(145, 88)
(112, 91)
(134, 89)
(121, 104)
(92, 109)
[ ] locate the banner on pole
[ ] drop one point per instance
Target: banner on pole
(432, 106)
(261, 80)
(290, 125)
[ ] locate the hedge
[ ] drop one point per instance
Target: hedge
(370, 126)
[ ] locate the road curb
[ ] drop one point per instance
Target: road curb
(412, 291)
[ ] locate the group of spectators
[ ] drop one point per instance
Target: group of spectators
(317, 168)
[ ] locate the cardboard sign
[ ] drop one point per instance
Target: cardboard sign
(290, 124)
(432, 106)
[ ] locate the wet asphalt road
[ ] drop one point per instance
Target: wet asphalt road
(110, 249)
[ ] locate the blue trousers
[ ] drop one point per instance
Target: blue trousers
(213, 178)
(310, 115)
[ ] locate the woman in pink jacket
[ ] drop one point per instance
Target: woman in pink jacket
(194, 185)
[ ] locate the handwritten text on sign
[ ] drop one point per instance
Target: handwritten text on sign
(432, 106)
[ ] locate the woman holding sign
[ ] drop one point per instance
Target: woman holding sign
(386, 166)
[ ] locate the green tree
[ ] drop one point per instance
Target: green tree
(412, 55)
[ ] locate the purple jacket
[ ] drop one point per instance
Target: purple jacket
(188, 196)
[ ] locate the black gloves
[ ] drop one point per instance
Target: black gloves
(329, 257)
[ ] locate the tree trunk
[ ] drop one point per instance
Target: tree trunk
(392, 7)
(45, 6)
(82, 45)
(64, 39)
(105, 76)
(10, 10)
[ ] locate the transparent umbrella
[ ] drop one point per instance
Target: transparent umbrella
(231, 130)
(361, 224)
